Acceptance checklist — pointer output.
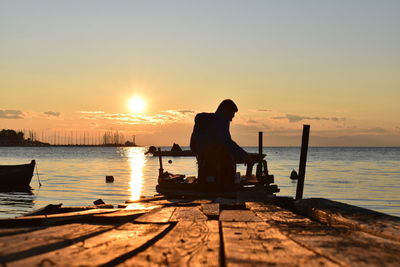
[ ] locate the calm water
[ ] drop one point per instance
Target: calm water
(75, 176)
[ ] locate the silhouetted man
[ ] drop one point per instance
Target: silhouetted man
(217, 154)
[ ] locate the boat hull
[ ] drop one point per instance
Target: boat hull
(16, 177)
(184, 153)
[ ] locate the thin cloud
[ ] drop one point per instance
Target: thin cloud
(376, 130)
(11, 114)
(168, 116)
(264, 110)
(52, 113)
(91, 112)
(185, 111)
(297, 118)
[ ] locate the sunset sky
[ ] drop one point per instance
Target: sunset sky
(68, 66)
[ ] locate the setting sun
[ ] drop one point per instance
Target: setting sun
(136, 104)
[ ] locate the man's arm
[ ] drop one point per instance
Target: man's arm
(225, 138)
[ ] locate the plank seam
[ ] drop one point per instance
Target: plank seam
(222, 261)
(47, 248)
(124, 257)
(22, 231)
(308, 248)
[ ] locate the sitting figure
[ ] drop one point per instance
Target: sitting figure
(217, 154)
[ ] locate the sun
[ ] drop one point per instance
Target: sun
(136, 104)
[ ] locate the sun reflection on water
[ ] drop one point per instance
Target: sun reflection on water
(136, 161)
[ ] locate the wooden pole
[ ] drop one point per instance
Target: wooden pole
(260, 158)
(303, 160)
(160, 170)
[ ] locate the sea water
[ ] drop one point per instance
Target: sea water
(75, 176)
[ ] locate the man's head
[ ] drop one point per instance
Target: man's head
(227, 108)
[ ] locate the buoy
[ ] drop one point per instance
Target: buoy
(109, 179)
(294, 175)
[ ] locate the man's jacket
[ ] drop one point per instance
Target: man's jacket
(212, 130)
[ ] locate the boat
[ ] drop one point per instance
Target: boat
(183, 153)
(221, 184)
(217, 177)
(175, 151)
(16, 177)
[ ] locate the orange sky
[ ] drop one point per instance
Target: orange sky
(70, 67)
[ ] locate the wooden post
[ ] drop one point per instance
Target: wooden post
(303, 160)
(260, 158)
(160, 170)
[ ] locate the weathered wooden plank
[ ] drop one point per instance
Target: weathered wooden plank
(167, 202)
(24, 245)
(109, 248)
(54, 210)
(259, 244)
(120, 216)
(139, 206)
(341, 244)
(202, 201)
(187, 244)
(211, 210)
(352, 248)
(18, 230)
(158, 215)
(230, 203)
(238, 216)
(52, 218)
(175, 202)
(337, 213)
(146, 199)
(173, 192)
(187, 214)
(51, 208)
(271, 213)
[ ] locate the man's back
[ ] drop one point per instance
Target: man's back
(212, 130)
(208, 131)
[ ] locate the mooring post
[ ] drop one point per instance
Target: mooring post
(160, 170)
(260, 158)
(303, 160)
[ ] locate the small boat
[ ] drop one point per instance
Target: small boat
(183, 153)
(16, 177)
(175, 151)
(219, 184)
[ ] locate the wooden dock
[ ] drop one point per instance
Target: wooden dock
(239, 231)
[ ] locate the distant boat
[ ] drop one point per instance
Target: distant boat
(183, 153)
(16, 177)
(175, 151)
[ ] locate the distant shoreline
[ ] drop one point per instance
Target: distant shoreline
(117, 145)
(163, 146)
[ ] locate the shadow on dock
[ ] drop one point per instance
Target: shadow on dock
(207, 231)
